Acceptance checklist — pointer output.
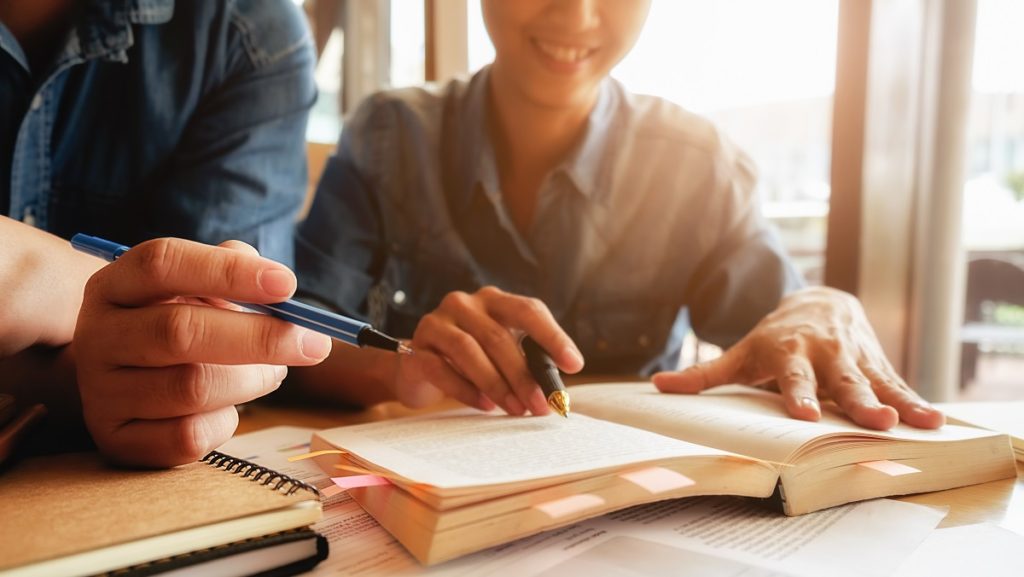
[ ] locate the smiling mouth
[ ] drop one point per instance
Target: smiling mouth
(564, 54)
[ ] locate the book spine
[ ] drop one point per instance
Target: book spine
(258, 474)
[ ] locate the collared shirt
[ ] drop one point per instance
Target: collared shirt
(162, 118)
(651, 223)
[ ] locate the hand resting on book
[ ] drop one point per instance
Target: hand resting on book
(818, 339)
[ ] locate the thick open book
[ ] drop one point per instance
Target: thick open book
(71, 515)
(465, 480)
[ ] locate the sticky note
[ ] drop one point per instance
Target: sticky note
(656, 480)
(315, 454)
(891, 468)
(353, 481)
(331, 490)
(569, 505)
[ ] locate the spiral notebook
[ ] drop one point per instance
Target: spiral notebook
(73, 515)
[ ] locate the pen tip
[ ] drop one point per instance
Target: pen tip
(559, 401)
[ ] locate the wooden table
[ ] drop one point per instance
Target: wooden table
(999, 502)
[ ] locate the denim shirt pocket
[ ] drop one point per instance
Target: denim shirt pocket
(622, 336)
(73, 208)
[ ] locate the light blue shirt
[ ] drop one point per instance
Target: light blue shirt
(650, 224)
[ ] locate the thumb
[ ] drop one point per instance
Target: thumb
(701, 376)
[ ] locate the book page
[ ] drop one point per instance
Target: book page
(739, 419)
(469, 448)
(722, 535)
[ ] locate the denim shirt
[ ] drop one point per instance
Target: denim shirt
(162, 118)
(651, 223)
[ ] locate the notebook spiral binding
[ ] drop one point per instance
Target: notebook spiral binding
(258, 474)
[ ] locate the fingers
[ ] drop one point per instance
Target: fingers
(799, 388)
(701, 376)
(893, 391)
(532, 316)
(173, 334)
(852, 391)
(167, 442)
(424, 378)
(465, 353)
(165, 268)
(181, 390)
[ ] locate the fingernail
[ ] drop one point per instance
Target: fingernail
(276, 282)
(315, 346)
(923, 409)
(513, 405)
(538, 404)
(280, 372)
(810, 403)
(572, 353)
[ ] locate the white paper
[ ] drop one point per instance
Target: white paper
(471, 448)
(722, 536)
(982, 549)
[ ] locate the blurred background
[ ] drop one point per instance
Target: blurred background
(888, 134)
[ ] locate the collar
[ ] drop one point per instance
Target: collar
(105, 28)
(585, 166)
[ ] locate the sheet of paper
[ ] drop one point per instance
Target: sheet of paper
(724, 536)
(469, 448)
(982, 549)
(748, 422)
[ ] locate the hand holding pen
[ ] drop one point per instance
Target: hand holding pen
(163, 357)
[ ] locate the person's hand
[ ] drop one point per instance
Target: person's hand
(163, 358)
(818, 338)
(468, 349)
(41, 279)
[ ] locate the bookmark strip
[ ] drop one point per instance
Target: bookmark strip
(353, 481)
(316, 454)
(656, 480)
(569, 505)
(331, 490)
(891, 468)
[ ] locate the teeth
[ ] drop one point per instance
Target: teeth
(567, 54)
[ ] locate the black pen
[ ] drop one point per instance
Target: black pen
(546, 373)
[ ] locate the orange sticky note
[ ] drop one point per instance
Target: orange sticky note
(658, 479)
(891, 468)
(331, 490)
(353, 481)
(315, 454)
(569, 505)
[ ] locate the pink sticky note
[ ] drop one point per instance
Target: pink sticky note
(891, 468)
(658, 479)
(569, 505)
(353, 481)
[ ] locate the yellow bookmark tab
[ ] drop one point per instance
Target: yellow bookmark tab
(656, 480)
(891, 468)
(569, 505)
(316, 454)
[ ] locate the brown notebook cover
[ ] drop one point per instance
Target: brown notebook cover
(74, 515)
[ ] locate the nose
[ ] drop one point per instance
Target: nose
(575, 15)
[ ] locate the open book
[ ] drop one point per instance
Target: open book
(465, 480)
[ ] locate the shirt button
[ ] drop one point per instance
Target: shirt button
(37, 101)
(602, 345)
(644, 341)
(398, 297)
(29, 218)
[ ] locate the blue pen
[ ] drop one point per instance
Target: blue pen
(351, 331)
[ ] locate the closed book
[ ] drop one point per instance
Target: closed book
(73, 515)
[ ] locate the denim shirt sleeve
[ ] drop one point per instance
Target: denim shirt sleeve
(747, 271)
(339, 247)
(239, 171)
